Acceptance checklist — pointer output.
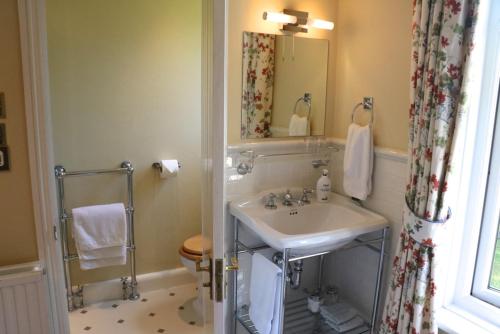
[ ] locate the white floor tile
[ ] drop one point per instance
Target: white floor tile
(160, 311)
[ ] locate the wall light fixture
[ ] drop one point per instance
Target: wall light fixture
(320, 24)
(279, 18)
(296, 21)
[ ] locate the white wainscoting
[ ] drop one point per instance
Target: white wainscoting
(356, 277)
(23, 300)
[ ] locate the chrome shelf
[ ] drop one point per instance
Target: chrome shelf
(298, 321)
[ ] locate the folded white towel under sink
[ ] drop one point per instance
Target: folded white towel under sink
(341, 317)
(347, 326)
(338, 313)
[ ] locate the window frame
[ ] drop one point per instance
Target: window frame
(461, 311)
(490, 223)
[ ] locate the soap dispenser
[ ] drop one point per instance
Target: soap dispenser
(323, 187)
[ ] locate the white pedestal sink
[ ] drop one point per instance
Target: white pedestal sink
(311, 228)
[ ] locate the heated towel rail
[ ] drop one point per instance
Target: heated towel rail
(130, 287)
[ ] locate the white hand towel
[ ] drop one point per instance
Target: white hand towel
(265, 293)
(100, 234)
(275, 326)
(299, 126)
(358, 162)
(102, 253)
(104, 262)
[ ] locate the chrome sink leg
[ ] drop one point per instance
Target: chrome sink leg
(284, 270)
(320, 273)
(380, 272)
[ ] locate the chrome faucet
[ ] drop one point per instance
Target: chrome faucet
(305, 195)
(288, 198)
(271, 202)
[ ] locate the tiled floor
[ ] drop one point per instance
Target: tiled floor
(161, 311)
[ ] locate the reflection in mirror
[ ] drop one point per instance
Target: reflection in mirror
(284, 86)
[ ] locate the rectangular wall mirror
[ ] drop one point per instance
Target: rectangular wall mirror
(284, 86)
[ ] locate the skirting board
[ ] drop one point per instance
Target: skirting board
(112, 289)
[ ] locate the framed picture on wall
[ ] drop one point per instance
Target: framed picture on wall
(4, 158)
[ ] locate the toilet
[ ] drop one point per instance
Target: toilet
(191, 252)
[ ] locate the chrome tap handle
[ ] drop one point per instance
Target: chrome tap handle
(288, 198)
(271, 201)
(305, 198)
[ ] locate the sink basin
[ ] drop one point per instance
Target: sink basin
(307, 229)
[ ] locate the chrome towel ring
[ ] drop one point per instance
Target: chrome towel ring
(367, 105)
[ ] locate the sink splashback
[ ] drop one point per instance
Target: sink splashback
(273, 172)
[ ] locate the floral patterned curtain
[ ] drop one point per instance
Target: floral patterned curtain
(258, 79)
(442, 41)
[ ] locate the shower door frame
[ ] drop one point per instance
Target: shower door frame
(34, 53)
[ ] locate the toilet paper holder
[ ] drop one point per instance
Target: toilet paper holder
(157, 165)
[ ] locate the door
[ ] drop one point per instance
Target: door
(214, 144)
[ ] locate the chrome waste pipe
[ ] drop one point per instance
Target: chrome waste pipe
(293, 276)
(296, 275)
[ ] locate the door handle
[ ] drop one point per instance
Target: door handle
(234, 265)
(220, 285)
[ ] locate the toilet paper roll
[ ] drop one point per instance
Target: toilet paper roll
(169, 168)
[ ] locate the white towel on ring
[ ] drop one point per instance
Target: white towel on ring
(358, 161)
(299, 126)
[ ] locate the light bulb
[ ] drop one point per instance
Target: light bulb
(320, 24)
(279, 18)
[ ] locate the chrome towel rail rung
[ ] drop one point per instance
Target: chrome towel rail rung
(251, 250)
(70, 217)
(74, 257)
(125, 168)
(97, 172)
